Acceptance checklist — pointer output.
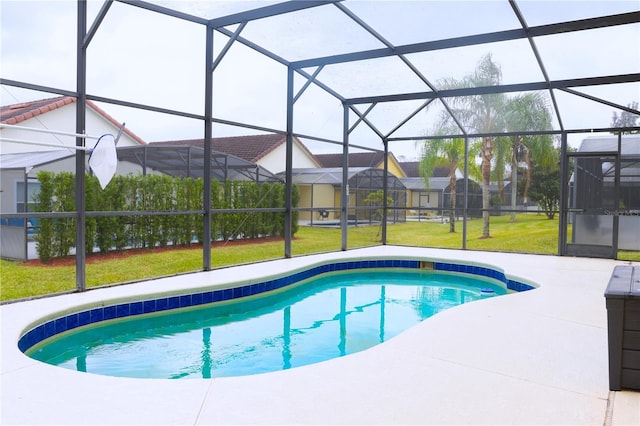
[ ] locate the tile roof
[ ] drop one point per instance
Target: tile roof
(18, 113)
(356, 159)
(412, 169)
(251, 148)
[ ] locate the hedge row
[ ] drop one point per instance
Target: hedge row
(154, 194)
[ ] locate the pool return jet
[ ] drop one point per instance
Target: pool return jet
(103, 158)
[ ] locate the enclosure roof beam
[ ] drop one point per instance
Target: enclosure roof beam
(307, 84)
(602, 101)
(365, 120)
(536, 53)
(473, 135)
(96, 23)
(263, 12)
(329, 141)
(321, 85)
(403, 58)
(507, 35)
(46, 89)
(247, 126)
(282, 61)
(227, 46)
(254, 46)
(165, 11)
(37, 87)
(506, 88)
(361, 117)
(523, 133)
(144, 107)
(409, 117)
(268, 11)
(15, 83)
(410, 48)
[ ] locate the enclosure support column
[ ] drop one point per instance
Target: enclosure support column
(344, 193)
(385, 191)
(25, 195)
(465, 204)
(562, 223)
(144, 160)
(81, 111)
(616, 199)
(311, 212)
(208, 130)
(288, 196)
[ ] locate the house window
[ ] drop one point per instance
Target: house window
(26, 204)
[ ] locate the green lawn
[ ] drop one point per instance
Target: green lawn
(531, 233)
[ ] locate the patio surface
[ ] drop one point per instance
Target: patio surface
(537, 357)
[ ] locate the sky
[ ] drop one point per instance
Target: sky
(143, 57)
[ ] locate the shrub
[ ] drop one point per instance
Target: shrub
(154, 194)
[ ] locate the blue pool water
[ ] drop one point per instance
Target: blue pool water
(328, 316)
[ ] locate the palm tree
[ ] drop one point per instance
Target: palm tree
(480, 114)
(540, 152)
(448, 153)
(528, 112)
(501, 148)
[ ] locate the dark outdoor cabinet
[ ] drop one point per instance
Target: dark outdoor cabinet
(623, 317)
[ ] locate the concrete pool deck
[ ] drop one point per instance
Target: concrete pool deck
(536, 357)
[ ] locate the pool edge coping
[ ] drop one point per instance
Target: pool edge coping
(88, 314)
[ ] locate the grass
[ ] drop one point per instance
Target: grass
(531, 233)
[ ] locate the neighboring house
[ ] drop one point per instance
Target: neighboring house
(321, 189)
(419, 198)
(425, 202)
(21, 162)
(56, 114)
(363, 159)
(267, 150)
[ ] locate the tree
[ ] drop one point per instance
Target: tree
(502, 148)
(523, 113)
(481, 113)
(539, 153)
(448, 153)
(545, 184)
(376, 200)
(626, 119)
(545, 190)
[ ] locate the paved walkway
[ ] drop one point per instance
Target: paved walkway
(538, 357)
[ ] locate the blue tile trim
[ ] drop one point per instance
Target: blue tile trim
(79, 319)
(487, 272)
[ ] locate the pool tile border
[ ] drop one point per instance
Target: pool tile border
(121, 310)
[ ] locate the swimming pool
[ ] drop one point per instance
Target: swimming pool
(223, 291)
(330, 315)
